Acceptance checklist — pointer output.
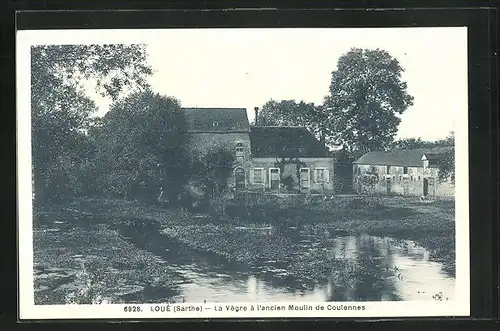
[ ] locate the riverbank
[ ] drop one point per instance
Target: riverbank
(285, 242)
(85, 260)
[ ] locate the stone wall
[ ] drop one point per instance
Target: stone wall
(395, 181)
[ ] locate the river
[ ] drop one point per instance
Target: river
(375, 268)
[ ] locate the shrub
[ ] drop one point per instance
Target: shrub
(289, 183)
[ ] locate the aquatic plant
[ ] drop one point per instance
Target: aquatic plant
(91, 291)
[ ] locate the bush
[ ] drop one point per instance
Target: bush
(212, 169)
(289, 183)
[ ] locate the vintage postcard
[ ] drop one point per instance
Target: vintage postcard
(240, 173)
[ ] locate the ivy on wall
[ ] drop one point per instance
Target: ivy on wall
(280, 163)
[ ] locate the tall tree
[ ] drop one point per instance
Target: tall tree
(366, 95)
(142, 147)
(61, 110)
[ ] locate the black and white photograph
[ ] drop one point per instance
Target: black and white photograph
(198, 173)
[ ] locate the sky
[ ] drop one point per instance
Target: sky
(247, 67)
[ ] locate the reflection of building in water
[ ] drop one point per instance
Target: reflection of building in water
(374, 278)
(253, 291)
(426, 256)
(403, 266)
(419, 278)
(345, 247)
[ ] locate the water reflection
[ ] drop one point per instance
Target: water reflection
(377, 269)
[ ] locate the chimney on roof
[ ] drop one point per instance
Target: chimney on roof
(256, 121)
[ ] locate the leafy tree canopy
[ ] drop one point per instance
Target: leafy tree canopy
(366, 95)
(61, 110)
(142, 146)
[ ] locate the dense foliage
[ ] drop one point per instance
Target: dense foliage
(141, 148)
(446, 166)
(62, 112)
(212, 169)
(366, 95)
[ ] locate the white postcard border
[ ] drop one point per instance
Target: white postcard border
(28, 310)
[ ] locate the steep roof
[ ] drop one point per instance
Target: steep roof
(402, 157)
(279, 141)
(217, 119)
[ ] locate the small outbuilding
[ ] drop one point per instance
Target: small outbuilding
(403, 172)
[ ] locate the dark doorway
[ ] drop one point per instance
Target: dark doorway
(389, 183)
(426, 187)
(406, 185)
(239, 178)
(432, 187)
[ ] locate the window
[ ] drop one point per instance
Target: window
(239, 149)
(411, 178)
(418, 177)
(239, 178)
(388, 169)
(258, 175)
(400, 178)
(322, 175)
(304, 179)
(405, 170)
